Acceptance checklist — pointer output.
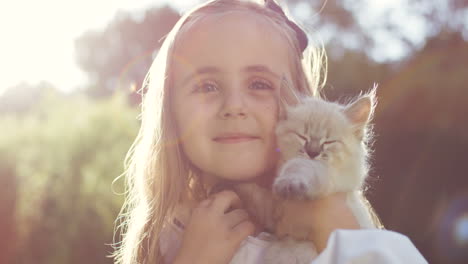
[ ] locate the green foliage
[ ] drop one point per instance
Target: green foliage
(64, 157)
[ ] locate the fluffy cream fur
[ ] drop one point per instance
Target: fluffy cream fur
(324, 149)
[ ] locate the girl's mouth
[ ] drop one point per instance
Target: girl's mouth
(230, 138)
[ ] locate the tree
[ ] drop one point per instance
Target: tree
(63, 158)
(23, 98)
(119, 57)
(346, 24)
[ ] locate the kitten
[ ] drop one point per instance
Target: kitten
(324, 149)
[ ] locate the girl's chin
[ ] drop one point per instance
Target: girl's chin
(262, 178)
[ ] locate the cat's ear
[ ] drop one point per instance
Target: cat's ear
(360, 112)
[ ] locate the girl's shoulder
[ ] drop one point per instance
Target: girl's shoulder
(367, 246)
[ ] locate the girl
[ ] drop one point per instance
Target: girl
(209, 116)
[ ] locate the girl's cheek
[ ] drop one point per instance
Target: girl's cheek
(201, 105)
(272, 108)
(267, 100)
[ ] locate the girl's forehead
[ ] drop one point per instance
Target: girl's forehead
(233, 40)
(235, 24)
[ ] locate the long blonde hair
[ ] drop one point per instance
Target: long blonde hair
(157, 172)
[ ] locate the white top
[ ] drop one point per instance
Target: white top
(365, 246)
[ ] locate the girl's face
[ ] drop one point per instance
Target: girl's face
(227, 73)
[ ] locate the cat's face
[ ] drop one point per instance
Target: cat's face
(321, 130)
(322, 146)
(314, 129)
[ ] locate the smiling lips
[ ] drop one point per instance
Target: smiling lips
(230, 138)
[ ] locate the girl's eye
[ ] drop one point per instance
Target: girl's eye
(261, 85)
(206, 87)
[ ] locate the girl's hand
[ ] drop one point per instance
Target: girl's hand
(213, 233)
(320, 217)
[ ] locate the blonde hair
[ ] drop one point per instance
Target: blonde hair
(158, 174)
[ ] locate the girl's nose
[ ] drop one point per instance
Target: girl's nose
(233, 106)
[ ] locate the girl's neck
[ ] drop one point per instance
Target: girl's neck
(212, 182)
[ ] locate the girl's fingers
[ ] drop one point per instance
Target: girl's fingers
(225, 200)
(205, 203)
(236, 217)
(243, 230)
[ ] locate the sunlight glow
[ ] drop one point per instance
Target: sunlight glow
(461, 231)
(37, 40)
(37, 37)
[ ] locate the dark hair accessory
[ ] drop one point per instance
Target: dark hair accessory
(300, 34)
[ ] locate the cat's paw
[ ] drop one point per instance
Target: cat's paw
(300, 178)
(287, 188)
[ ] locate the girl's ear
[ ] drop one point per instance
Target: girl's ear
(360, 112)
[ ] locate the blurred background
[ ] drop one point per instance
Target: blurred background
(69, 72)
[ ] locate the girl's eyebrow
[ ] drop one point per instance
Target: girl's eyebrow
(213, 69)
(261, 68)
(200, 71)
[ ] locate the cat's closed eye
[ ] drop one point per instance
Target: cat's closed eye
(313, 151)
(299, 135)
(331, 146)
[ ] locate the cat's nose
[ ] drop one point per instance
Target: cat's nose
(312, 153)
